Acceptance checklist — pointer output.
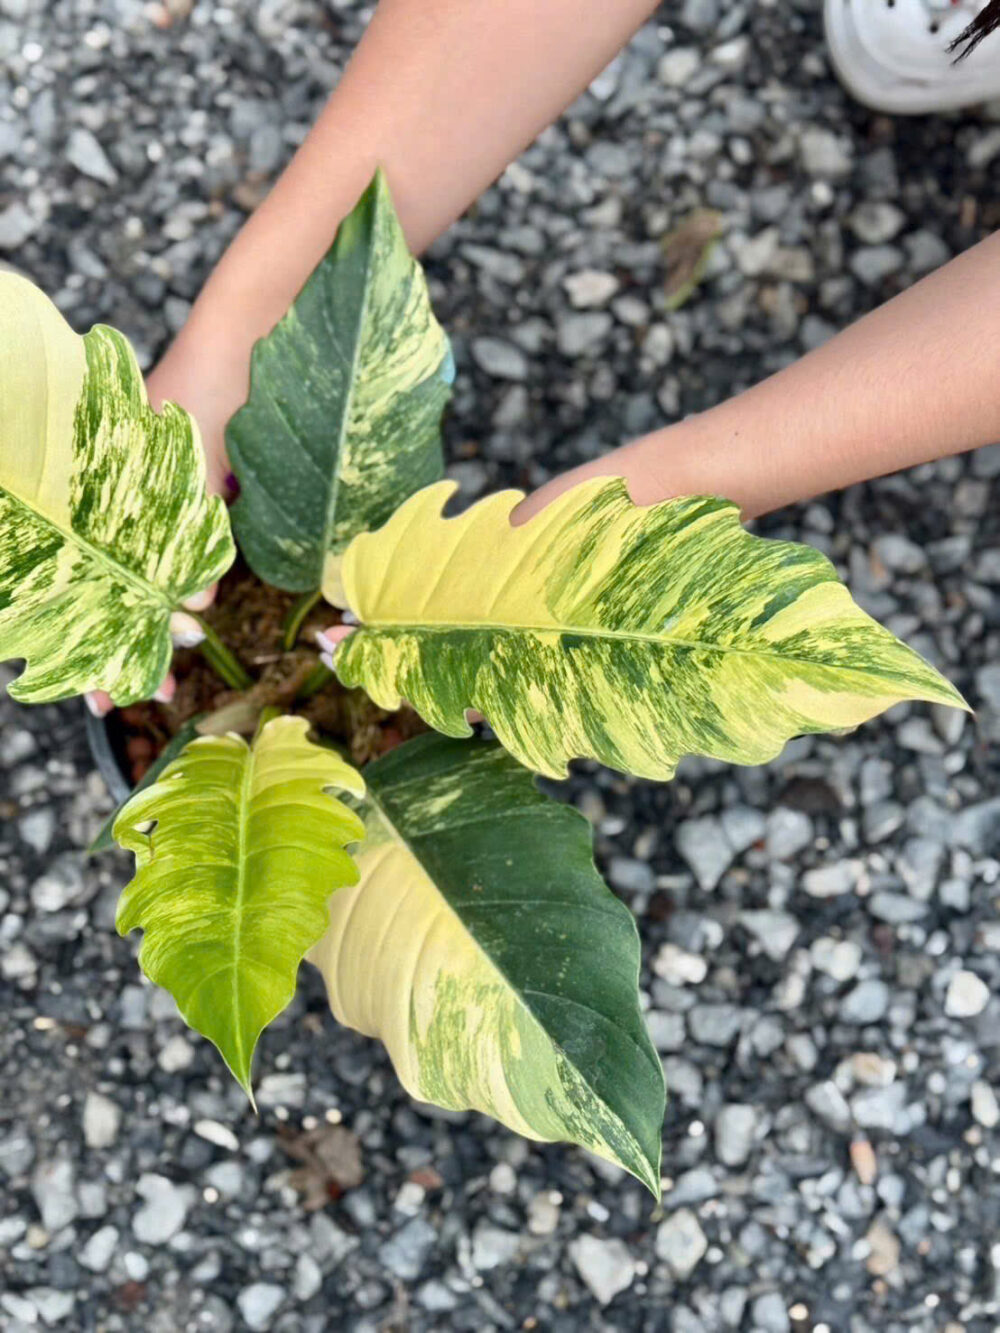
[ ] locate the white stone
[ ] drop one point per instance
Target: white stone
(258, 1303)
(101, 1120)
(830, 880)
(839, 959)
(543, 1213)
(52, 1185)
(735, 1133)
(221, 1135)
(96, 1254)
(590, 288)
(164, 1212)
(984, 1104)
(967, 995)
(681, 1243)
(308, 1277)
(176, 1055)
(502, 1179)
(678, 967)
(678, 66)
(606, 1266)
(775, 930)
(493, 1246)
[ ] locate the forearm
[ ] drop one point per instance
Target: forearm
(441, 93)
(915, 380)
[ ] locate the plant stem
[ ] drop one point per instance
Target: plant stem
(220, 659)
(314, 682)
(295, 617)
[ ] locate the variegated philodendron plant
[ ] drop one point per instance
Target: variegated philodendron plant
(454, 911)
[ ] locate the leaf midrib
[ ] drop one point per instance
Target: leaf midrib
(330, 518)
(588, 631)
(404, 842)
(122, 572)
(241, 877)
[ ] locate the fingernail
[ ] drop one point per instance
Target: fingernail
(185, 630)
(349, 618)
(326, 644)
(202, 599)
(166, 692)
(94, 707)
(327, 660)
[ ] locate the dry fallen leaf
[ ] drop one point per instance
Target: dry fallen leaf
(331, 1162)
(687, 250)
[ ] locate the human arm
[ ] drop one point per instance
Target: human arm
(442, 94)
(915, 380)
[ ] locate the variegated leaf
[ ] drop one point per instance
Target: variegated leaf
(232, 881)
(346, 395)
(105, 527)
(604, 630)
(483, 949)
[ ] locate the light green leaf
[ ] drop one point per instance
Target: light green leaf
(189, 730)
(604, 630)
(232, 883)
(482, 947)
(105, 527)
(346, 395)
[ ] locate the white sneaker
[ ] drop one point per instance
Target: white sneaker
(892, 55)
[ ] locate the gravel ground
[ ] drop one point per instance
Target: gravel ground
(821, 944)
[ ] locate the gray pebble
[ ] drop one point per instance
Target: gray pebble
(866, 1003)
(735, 1133)
(681, 1243)
(85, 154)
(606, 1266)
(406, 1252)
(259, 1302)
(500, 359)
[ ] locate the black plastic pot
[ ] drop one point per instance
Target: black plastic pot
(106, 745)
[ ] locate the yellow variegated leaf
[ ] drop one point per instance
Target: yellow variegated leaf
(481, 946)
(104, 523)
(233, 878)
(604, 630)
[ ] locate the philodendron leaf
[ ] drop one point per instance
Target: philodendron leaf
(346, 395)
(188, 731)
(483, 948)
(604, 630)
(105, 527)
(232, 881)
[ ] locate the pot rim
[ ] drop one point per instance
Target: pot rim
(105, 756)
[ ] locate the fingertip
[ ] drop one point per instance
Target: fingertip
(98, 703)
(202, 599)
(329, 639)
(167, 690)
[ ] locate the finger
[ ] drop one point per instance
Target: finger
(329, 641)
(98, 703)
(202, 599)
(167, 690)
(185, 630)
